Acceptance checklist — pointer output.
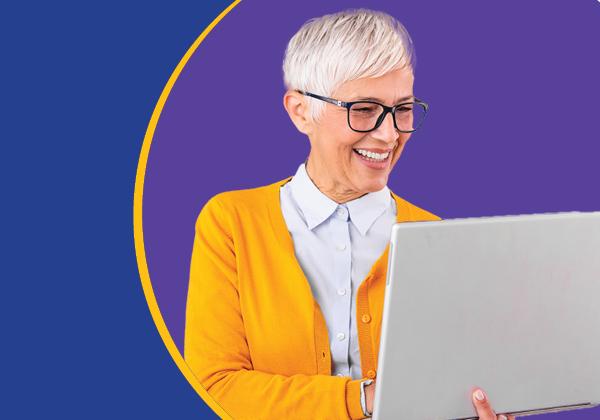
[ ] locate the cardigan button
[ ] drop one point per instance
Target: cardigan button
(371, 374)
(366, 318)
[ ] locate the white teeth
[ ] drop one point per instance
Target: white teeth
(372, 155)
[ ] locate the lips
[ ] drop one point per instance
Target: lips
(373, 163)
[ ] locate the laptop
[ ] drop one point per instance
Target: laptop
(510, 304)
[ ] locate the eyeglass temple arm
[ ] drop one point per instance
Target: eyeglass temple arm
(348, 104)
(324, 98)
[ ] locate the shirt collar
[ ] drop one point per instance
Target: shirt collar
(366, 209)
(317, 207)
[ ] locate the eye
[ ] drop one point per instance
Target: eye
(365, 109)
(405, 108)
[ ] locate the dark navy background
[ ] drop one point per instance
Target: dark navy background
(80, 81)
(79, 85)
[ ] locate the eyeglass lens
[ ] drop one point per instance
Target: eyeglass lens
(364, 116)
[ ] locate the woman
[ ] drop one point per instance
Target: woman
(287, 280)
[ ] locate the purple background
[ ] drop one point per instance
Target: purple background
(513, 124)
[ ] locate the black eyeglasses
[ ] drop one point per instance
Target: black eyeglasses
(365, 116)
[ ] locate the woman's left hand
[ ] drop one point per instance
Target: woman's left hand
(484, 409)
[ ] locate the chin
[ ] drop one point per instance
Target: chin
(374, 185)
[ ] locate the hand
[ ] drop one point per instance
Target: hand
(484, 409)
(370, 396)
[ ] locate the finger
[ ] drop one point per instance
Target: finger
(482, 405)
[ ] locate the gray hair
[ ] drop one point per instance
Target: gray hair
(333, 49)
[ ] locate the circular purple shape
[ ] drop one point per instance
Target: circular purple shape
(512, 129)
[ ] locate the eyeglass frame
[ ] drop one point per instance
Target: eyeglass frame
(380, 119)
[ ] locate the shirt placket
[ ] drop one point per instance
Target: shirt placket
(341, 244)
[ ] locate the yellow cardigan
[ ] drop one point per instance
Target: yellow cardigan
(255, 337)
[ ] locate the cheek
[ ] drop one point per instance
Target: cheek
(347, 144)
(404, 137)
(339, 140)
(402, 140)
(398, 152)
(399, 149)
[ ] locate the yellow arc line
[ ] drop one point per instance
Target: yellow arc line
(138, 233)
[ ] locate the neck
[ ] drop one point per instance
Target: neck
(332, 189)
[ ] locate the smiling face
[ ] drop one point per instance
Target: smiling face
(336, 162)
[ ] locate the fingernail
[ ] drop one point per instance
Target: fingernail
(479, 395)
(502, 417)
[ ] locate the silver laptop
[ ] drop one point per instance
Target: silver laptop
(510, 304)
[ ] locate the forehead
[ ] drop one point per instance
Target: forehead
(389, 88)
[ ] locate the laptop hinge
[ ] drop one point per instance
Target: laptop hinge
(554, 409)
(544, 410)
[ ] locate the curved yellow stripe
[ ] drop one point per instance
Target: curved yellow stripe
(138, 233)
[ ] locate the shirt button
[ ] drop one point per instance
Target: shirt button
(340, 336)
(366, 318)
(341, 247)
(341, 292)
(371, 374)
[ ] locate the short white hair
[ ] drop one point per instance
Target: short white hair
(333, 49)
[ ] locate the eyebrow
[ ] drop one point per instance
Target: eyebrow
(369, 98)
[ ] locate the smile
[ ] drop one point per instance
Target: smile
(372, 156)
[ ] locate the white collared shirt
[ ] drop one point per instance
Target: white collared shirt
(336, 245)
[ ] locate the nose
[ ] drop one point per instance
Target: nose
(386, 132)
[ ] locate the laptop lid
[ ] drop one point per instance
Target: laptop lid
(510, 304)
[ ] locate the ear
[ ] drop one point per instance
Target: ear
(297, 108)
